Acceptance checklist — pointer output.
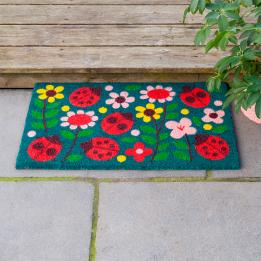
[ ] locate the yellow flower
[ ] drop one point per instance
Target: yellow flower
(65, 108)
(50, 93)
(148, 112)
(184, 111)
(207, 126)
(102, 110)
(121, 158)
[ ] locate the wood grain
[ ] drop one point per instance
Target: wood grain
(28, 80)
(94, 2)
(94, 14)
(106, 59)
(97, 35)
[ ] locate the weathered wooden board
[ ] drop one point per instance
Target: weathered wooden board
(106, 59)
(97, 35)
(94, 14)
(95, 2)
(28, 80)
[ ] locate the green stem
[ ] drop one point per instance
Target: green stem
(72, 146)
(189, 147)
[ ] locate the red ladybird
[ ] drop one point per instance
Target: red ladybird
(117, 123)
(195, 97)
(211, 147)
(85, 96)
(44, 148)
(100, 148)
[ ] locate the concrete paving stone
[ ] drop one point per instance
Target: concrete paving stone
(249, 144)
(179, 221)
(13, 109)
(45, 221)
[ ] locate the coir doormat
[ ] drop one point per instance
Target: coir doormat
(127, 126)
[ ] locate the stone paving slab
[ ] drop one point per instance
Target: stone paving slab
(179, 221)
(13, 109)
(45, 221)
(249, 143)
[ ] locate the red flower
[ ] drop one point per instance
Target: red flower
(139, 152)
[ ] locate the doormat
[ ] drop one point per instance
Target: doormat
(144, 126)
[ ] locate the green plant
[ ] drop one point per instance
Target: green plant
(233, 25)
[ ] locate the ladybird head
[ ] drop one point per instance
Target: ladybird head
(201, 138)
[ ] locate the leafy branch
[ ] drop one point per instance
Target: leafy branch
(233, 25)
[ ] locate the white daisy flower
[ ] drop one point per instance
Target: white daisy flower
(120, 100)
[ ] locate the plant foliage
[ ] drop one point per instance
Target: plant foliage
(233, 25)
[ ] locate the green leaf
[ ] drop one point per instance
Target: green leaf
(252, 98)
(147, 129)
(74, 157)
(51, 113)
(37, 114)
(67, 134)
(220, 129)
(172, 116)
(182, 155)
(161, 156)
(258, 108)
(84, 133)
(148, 139)
(194, 6)
(186, 11)
(180, 144)
(164, 136)
(222, 23)
(40, 126)
(172, 106)
(39, 103)
(37, 125)
(197, 121)
(163, 146)
(133, 87)
(129, 139)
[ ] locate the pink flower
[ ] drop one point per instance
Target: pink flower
(158, 93)
(213, 116)
(138, 152)
(120, 100)
(179, 129)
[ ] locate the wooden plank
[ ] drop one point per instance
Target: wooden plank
(107, 59)
(95, 2)
(28, 80)
(94, 14)
(97, 35)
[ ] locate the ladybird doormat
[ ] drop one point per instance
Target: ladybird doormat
(127, 126)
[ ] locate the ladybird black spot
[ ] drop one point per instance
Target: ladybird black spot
(80, 102)
(122, 126)
(112, 146)
(98, 142)
(95, 152)
(112, 119)
(91, 97)
(190, 99)
(38, 146)
(223, 148)
(78, 92)
(220, 142)
(213, 141)
(100, 156)
(106, 142)
(204, 147)
(51, 151)
(214, 154)
(201, 94)
(109, 153)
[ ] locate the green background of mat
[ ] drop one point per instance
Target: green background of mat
(198, 162)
